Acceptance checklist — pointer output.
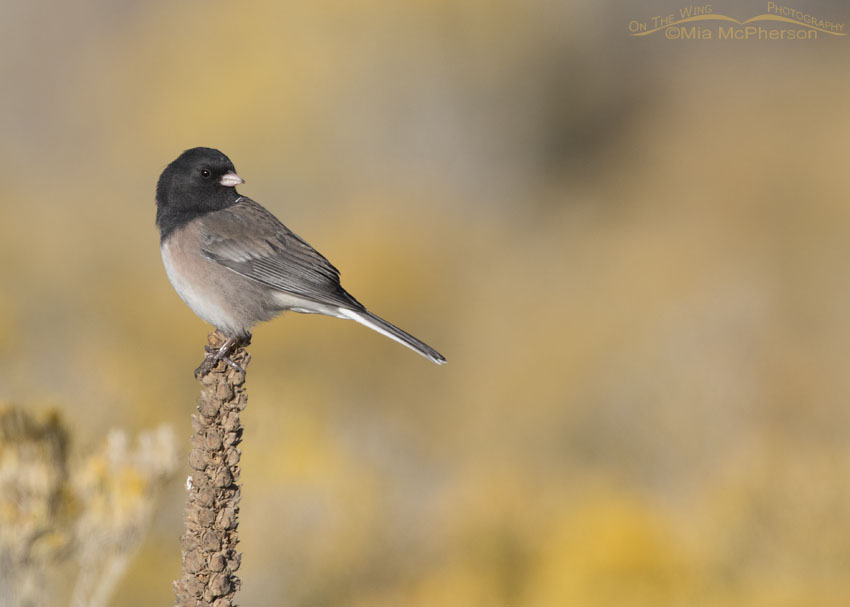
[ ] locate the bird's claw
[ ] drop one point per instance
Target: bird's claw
(232, 365)
(213, 355)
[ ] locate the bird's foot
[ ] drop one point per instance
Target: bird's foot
(213, 355)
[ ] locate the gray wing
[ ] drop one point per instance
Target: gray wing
(249, 240)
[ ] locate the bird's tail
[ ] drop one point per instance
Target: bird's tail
(376, 323)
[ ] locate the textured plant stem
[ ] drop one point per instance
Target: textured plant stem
(210, 559)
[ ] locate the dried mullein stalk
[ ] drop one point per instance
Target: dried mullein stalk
(210, 559)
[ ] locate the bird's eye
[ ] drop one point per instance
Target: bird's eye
(205, 173)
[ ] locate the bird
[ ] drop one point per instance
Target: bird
(236, 265)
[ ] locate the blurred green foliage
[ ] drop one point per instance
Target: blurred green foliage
(632, 253)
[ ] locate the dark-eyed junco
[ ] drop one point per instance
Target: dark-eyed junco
(236, 265)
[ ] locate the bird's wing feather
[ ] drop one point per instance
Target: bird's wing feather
(249, 240)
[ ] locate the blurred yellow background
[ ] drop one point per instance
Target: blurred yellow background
(632, 251)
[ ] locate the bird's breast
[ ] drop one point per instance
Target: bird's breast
(213, 292)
